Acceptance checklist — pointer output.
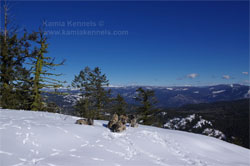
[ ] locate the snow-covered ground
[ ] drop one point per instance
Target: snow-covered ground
(45, 139)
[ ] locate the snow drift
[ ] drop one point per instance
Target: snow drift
(45, 139)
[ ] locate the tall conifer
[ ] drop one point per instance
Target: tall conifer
(94, 97)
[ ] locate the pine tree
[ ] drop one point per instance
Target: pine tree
(7, 63)
(41, 65)
(21, 87)
(147, 103)
(119, 105)
(93, 95)
(12, 55)
(23, 93)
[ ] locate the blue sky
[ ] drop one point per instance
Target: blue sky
(165, 43)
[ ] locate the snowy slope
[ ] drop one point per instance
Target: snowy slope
(45, 139)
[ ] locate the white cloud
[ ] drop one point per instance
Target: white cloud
(246, 82)
(226, 77)
(245, 72)
(193, 75)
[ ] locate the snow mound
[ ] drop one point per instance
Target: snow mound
(46, 139)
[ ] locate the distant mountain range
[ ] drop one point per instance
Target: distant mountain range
(167, 96)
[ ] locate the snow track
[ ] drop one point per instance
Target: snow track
(45, 139)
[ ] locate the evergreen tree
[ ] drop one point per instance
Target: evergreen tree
(147, 101)
(93, 95)
(23, 93)
(41, 67)
(20, 88)
(52, 107)
(13, 51)
(119, 105)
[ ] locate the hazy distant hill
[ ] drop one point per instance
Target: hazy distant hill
(168, 96)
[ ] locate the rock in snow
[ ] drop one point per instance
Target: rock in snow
(45, 139)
